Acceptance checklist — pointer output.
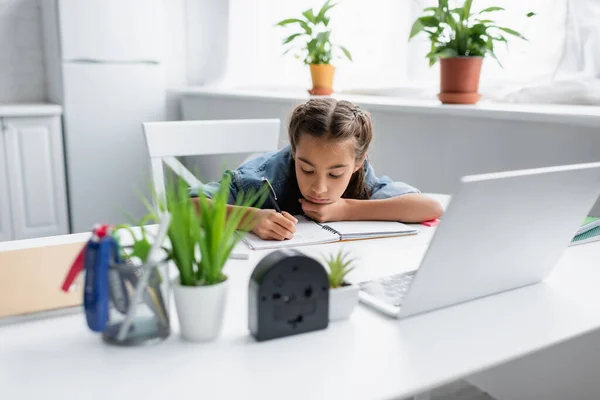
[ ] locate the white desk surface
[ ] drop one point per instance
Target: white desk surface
(369, 356)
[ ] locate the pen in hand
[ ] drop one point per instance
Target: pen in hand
(272, 194)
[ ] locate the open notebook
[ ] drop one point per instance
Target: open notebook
(310, 232)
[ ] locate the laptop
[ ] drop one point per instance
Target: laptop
(501, 231)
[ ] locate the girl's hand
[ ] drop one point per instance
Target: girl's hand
(335, 211)
(274, 226)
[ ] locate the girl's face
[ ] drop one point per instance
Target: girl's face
(324, 168)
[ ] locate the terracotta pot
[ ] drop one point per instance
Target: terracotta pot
(459, 80)
(322, 79)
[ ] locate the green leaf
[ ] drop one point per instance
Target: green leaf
(467, 9)
(289, 21)
(451, 22)
(339, 268)
(346, 52)
(308, 14)
(485, 21)
(430, 21)
(306, 28)
(530, 14)
(447, 53)
(495, 58)
(512, 32)
(321, 14)
(460, 11)
(416, 28)
(478, 29)
(292, 37)
(491, 9)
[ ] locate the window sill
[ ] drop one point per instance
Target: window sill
(567, 114)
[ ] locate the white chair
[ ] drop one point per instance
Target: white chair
(167, 140)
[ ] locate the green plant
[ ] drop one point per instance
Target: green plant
(339, 267)
(458, 32)
(141, 245)
(203, 235)
(314, 36)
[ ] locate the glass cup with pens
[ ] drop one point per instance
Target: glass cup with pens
(140, 310)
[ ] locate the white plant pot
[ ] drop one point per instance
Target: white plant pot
(342, 301)
(200, 310)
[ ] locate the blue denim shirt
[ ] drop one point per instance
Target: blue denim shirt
(275, 167)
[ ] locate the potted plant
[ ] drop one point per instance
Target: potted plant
(460, 39)
(314, 46)
(343, 296)
(202, 236)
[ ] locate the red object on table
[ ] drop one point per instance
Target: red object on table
(432, 222)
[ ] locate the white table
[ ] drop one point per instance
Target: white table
(369, 356)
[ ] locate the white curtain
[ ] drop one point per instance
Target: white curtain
(582, 47)
(376, 33)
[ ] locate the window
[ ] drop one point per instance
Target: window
(376, 33)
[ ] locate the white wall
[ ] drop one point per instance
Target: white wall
(207, 36)
(22, 74)
(175, 52)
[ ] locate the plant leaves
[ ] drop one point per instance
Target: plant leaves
(447, 53)
(467, 9)
(460, 11)
(292, 37)
(339, 268)
(416, 28)
(346, 52)
(478, 29)
(306, 28)
(308, 14)
(430, 21)
(289, 21)
(321, 14)
(512, 32)
(495, 58)
(530, 14)
(491, 9)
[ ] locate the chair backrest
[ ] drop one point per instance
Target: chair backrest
(167, 140)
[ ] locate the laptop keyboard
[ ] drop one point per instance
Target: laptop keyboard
(389, 289)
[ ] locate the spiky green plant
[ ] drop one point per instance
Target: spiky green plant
(203, 237)
(458, 32)
(314, 39)
(141, 245)
(339, 267)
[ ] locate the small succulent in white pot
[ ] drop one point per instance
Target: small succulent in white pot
(343, 296)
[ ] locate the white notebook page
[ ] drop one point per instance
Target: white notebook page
(307, 232)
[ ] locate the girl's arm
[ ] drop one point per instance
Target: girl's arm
(409, 208)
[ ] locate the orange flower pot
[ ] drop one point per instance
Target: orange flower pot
(322, 79)
(459, 80)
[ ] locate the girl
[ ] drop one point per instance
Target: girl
(324, 173)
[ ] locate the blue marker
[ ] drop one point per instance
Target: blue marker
(96, 293)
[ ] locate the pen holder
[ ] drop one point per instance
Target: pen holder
(139, 312)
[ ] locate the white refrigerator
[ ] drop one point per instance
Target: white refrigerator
(104, 64)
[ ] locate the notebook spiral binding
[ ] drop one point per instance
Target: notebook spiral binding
(330, 229)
